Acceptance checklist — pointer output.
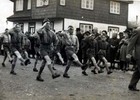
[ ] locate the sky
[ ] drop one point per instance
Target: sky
(134, 10)
(6, 10)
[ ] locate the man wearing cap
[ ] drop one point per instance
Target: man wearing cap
(47, 38)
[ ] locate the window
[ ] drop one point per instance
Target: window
(114, 7)
(42, 3)
(112, 30)
(87, 4)
(62, 2)
(86, 27)
(29, 4)
(31, 27)
(19, 5)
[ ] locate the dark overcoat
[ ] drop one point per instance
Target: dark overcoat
(135, 43)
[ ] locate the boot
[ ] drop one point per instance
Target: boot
(35, 70)
(13, 73)
(84, 73)
(55, 76)
(38, 78)
(66, 76)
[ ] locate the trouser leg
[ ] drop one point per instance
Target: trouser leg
(121, 65)
(135, 78)
(36, 60)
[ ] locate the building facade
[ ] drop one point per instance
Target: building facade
(110, 15)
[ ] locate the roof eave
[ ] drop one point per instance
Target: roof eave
(126, 1)
(12, 0)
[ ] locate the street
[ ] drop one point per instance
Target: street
(24, 86)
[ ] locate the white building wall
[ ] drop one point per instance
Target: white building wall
(100, 26)
(58, 25)
(38, 25)
(26, 26)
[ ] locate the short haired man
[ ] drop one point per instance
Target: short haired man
(47, 38)
(16, 46)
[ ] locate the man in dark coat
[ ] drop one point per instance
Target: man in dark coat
(80, 37)
(134, 42)
(91, 52)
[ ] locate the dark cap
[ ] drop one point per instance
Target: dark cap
(70, 27)
(121, 33)
(46, 20)
(86, 33)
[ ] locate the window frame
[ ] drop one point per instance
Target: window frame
(29, 5)
(85, 24)
(42, 5)
(18, 6)
(112, 27)
(115, 7)
(83, 6)
(31, 28)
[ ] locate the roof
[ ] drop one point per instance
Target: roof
(127, 1)
(19, 16)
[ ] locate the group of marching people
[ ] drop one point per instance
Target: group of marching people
(85, 50)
